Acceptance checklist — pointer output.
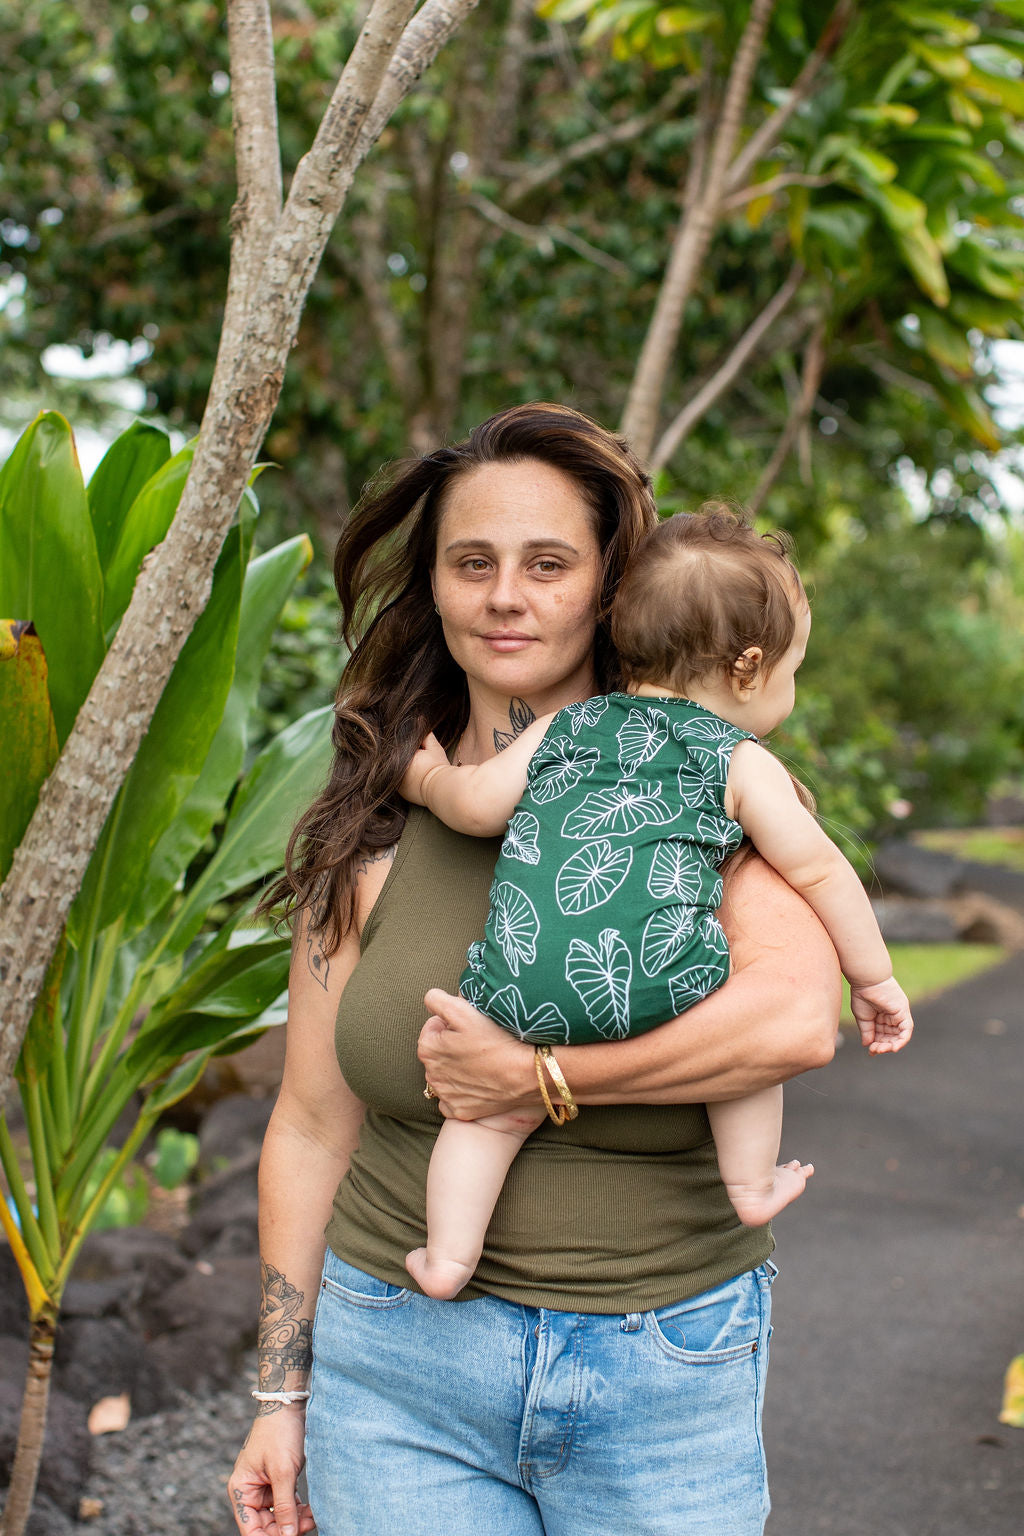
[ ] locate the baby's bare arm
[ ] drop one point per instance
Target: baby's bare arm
(475, 798)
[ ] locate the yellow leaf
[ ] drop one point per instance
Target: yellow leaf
(1013, 1394)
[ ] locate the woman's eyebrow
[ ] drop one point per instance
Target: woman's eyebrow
(458, 544)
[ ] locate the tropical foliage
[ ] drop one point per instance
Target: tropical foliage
(140, 993)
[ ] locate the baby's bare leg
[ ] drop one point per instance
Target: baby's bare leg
(467, 1169)
(747, 1134)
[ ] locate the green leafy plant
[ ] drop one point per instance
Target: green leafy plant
(140, 994)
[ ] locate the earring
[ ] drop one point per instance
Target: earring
(436, 608)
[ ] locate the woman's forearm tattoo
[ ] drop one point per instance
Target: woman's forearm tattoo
(285, 1338)
(520, 716)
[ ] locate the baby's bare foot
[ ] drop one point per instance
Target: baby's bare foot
(755, 1206)
(440, 1278)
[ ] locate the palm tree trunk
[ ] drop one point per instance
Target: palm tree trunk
(32, 1427)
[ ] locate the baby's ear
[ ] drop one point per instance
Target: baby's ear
(746, 667)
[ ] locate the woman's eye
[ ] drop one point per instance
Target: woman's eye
(474, 565)
(549, 567)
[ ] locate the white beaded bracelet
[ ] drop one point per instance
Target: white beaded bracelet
(280, 1397)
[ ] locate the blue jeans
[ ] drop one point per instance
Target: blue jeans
(486, 1418)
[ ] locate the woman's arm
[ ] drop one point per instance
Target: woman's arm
(312, 1133)
(774, 1018)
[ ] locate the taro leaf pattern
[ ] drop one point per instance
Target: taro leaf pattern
(591, 877)
(693, 985)
(586, 714)
(601, 978)
(475, 956)
(718, 832)
(640, 738)
(545, 1025)
(713, 937)
(521, 839)
(667, 933)
(698, 783)
(516, 925)
(619, 812)
(474, 991)
(564, 765)
(674, 871)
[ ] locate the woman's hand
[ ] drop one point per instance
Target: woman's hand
(475, 1067)
(262, 1483)
(428, 757)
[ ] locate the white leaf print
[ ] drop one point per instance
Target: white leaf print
(718, 832)
(474, 991)
(563, 765)
(674, 871)
(475, 956)
(641, 738)
(707, 729)
(586, 714)
(546, 1024)
(667, 932)
(521, 839)
(591, 877)
(691, 986)
(516, 925)
(698, 782)
(601, 977)
(619, 812)
(713, 936)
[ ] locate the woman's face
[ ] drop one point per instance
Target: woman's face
(517, 580)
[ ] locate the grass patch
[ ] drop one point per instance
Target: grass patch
(1003, 846)
(922, 970)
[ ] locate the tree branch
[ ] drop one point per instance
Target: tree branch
(258, 166)
(534, 176)
(770, 187)
(693, 236)
(546, 236)
(770, 131)
(175, 579)
(723, 378)
(799, 415)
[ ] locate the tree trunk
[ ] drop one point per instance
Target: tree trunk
(693, 236)
(175, 579)
(32, 1427)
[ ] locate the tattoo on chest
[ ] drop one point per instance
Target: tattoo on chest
(520, 716)
(285, 1339)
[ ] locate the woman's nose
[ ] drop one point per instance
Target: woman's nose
(506, 590)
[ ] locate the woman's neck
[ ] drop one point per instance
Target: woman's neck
(495, 720)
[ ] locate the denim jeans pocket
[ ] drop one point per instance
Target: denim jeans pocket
(715, 1328)
(352, 1285)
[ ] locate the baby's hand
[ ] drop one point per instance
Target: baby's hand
(883, 1016)
(430, 756)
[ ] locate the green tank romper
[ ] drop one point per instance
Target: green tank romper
(602, 921)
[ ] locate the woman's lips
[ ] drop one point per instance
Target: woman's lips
(507, 641)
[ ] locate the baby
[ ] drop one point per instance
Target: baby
(620, 811)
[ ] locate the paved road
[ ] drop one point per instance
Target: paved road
(901, 1297)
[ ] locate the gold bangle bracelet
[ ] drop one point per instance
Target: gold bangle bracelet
(559, 1115)
(571, 1108)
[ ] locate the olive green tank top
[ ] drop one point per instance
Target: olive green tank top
(622, 1210)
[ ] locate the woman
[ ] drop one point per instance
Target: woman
(604, 1371)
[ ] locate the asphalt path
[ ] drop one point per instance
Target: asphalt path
(901, 1294)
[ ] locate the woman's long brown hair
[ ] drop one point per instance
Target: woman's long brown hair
(400, 681)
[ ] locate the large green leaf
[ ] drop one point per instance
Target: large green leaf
(131, 460)
(279, 785)
(142, 528)
(49, 569)
(268, 582)
(26, 730)
(173, 750)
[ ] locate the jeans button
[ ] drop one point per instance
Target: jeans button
(536, 1331)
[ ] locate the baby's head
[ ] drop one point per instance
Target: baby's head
(701, 591)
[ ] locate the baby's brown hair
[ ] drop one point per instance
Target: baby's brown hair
(699, 590)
